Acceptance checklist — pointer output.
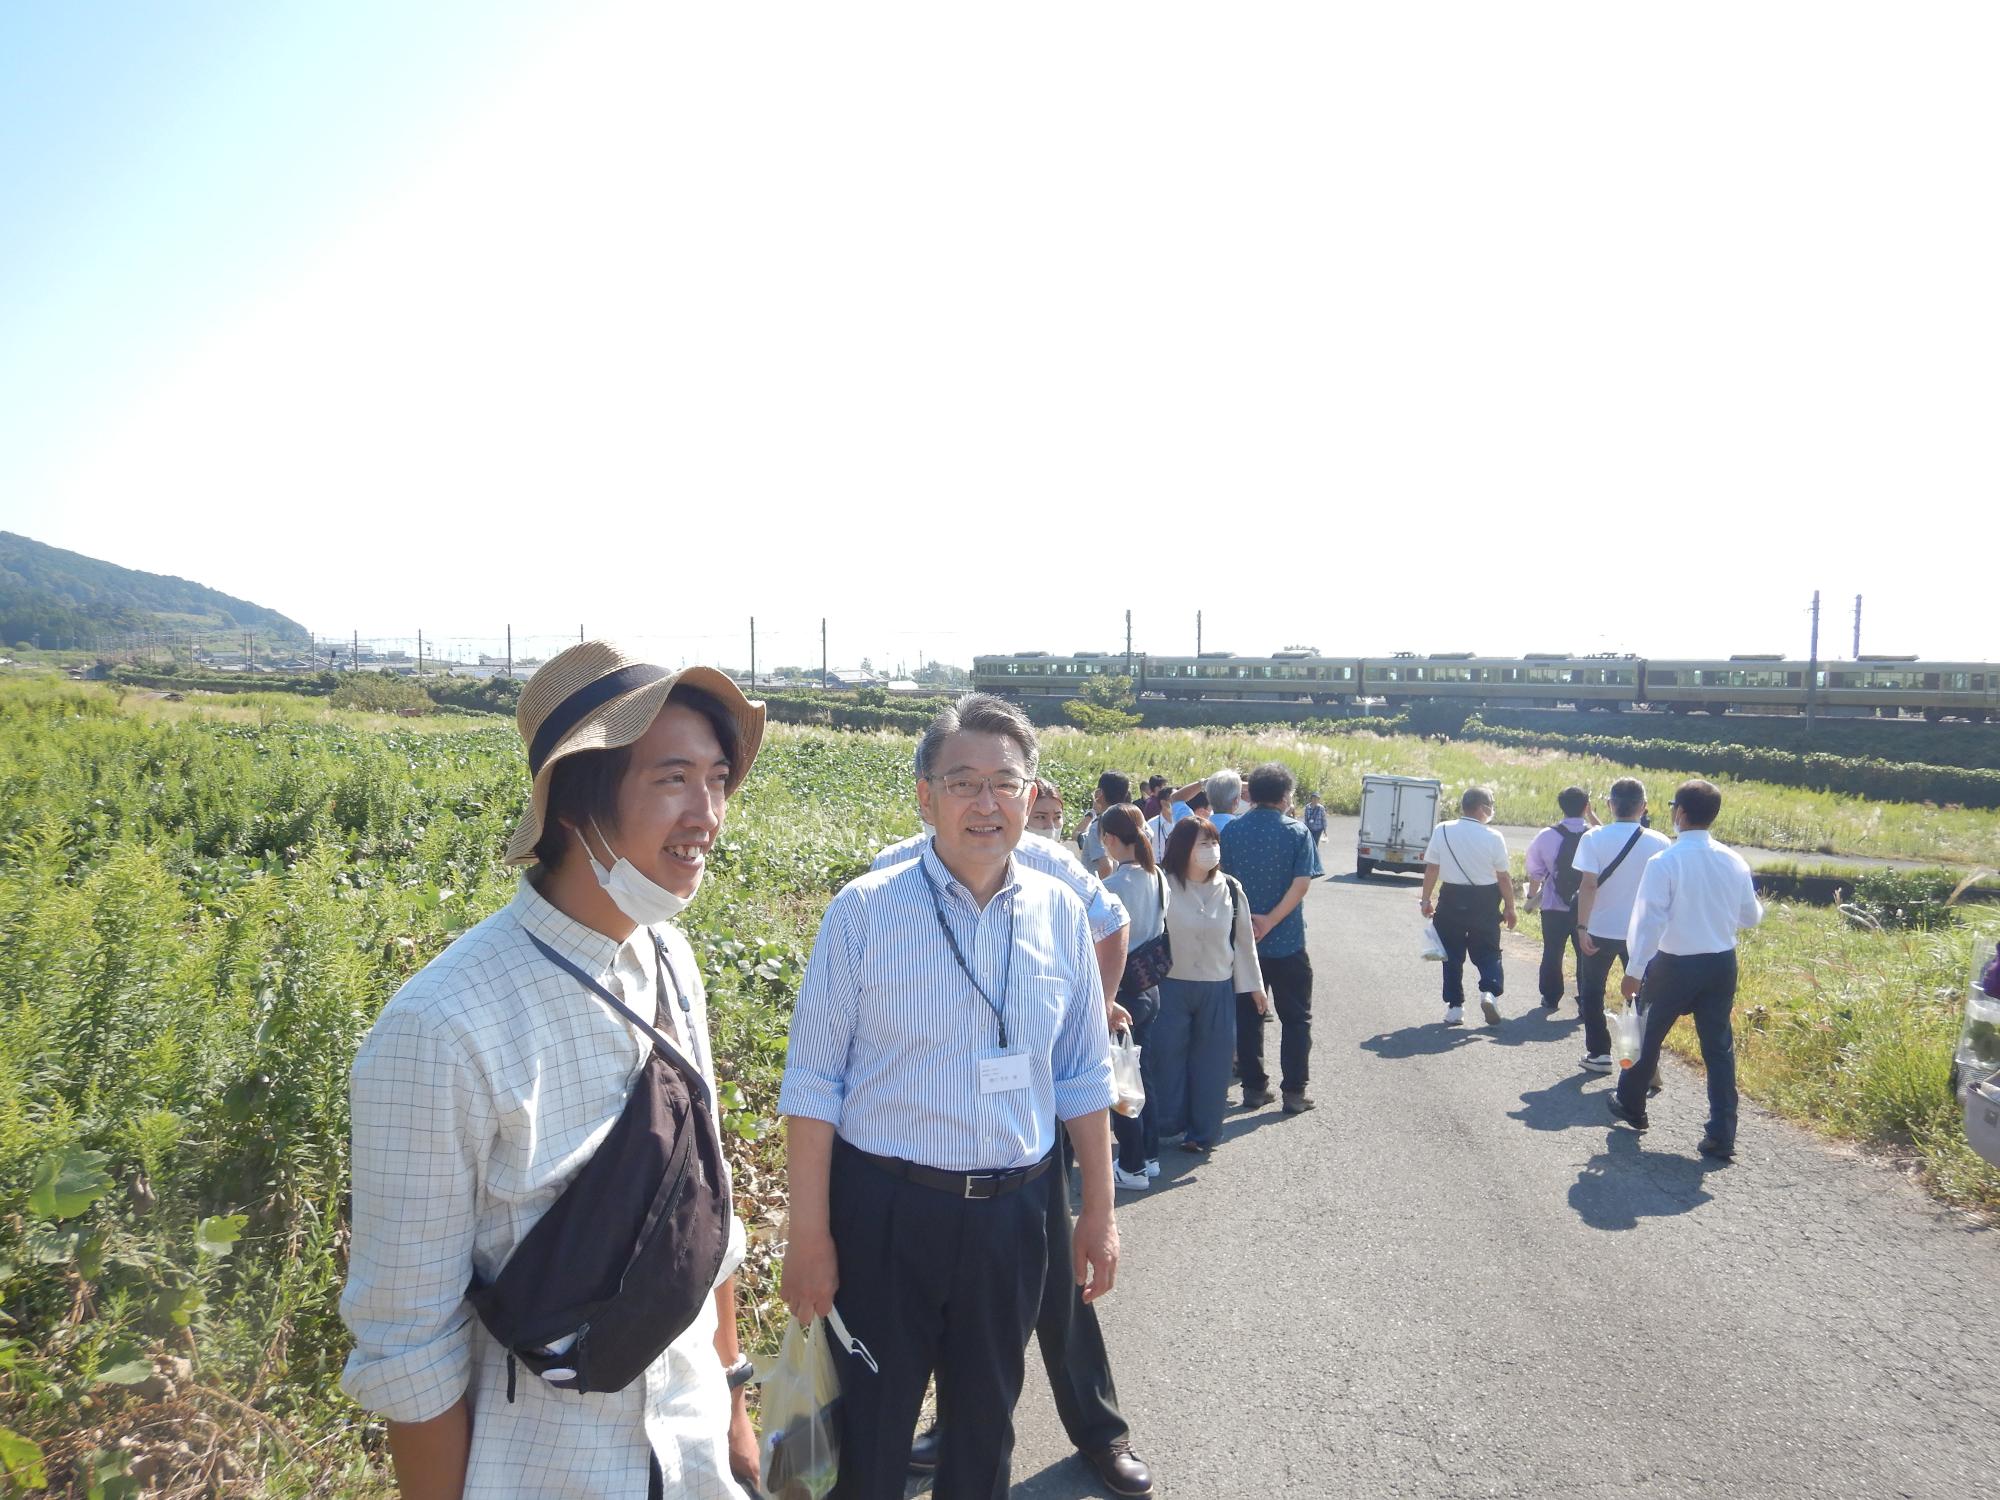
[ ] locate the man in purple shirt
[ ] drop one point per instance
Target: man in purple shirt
(1552, 873)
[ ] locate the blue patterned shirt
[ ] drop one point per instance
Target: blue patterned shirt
(1267, 851)
(889, 1031)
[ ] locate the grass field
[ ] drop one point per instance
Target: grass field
(202, 907)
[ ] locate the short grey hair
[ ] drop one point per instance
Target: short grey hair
(1474, 798)
(1224, 788)
(977, 713)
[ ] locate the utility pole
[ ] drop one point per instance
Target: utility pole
(420, 653)
(1812, 669)
(1197, 632)
(753, 653)
(825, 678)
(579, 635)
(510, 651)
(1128, 643)
(1857, 627)
(354, 661)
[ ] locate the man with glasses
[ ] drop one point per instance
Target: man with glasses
(951, 1014)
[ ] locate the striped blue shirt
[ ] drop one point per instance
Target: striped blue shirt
(1107, 912)
(888, 1033)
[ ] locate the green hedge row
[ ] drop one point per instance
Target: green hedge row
(1974, 746)
(1881, 780)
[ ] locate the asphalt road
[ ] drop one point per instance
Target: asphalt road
(1456, 1279)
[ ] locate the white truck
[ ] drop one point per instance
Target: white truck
(1397, 815)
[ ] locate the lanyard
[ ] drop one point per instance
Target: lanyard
(1006, 975)
(666, 972)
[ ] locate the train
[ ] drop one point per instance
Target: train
(1882, 686)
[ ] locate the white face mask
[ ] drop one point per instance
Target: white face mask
(1207, 854)
(631, 892)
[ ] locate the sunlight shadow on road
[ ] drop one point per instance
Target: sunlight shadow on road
(1434, 1038)
(1560, 1105)
(1625, 1183)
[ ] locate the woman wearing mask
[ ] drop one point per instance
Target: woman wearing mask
(1136, 881)
(1215, 959)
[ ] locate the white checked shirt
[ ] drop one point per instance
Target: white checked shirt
(485, 1085)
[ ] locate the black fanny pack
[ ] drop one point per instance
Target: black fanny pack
(623, 1260)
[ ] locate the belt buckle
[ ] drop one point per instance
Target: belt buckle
(991, 1180)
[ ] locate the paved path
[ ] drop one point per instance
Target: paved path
(1455, 1279)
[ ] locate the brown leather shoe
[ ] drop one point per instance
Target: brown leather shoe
(1296, 1102)
(1122, 1470)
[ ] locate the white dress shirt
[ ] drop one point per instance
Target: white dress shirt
(1693, 898)
(487, 1081)
(1611, 908)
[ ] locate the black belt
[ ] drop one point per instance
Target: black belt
(958, 1184)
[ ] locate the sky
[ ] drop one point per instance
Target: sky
(1564, 327)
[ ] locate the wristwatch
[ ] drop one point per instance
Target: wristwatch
(741, 1373)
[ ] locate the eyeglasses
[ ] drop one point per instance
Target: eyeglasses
(1004, 786)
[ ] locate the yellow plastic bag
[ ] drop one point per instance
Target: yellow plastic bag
(800, 1446)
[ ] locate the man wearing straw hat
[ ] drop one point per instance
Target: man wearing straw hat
(492, 1076)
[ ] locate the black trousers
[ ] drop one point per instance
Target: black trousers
(1289, 982)
(1702, 985)
(1558, 933)
(1072, 1342)
(1593, 973)
(1468, 924)
(933, 1283)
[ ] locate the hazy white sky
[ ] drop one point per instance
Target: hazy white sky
(1558, 327)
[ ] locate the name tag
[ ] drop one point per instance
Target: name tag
(1003, 1074)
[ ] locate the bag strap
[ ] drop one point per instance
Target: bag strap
(1621, 856)
(838, 1326)
(1229, 882)
(660, 1042)
(1445, 834)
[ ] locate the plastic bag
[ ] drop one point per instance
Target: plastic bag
(1628, 1029)
(1433, 945)
(801, 1416)
(1982, 1119)
(1125, 1075)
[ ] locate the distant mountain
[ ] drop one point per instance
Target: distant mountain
(66, 601)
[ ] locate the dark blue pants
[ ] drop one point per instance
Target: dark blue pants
(1289, 983)
(1139, 1139)
(1593, 972)
(1558, 933)
(1702, 985)
(1468, 924)
(1189, 1058)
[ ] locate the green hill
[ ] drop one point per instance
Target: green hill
(65, 601)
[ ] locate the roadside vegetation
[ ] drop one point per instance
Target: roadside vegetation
(203, 904)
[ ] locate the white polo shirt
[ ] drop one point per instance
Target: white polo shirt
(1467, 852)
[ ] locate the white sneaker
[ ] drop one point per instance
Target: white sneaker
(1454, 1015)
(1489, 1008)
(1597, 1062)
(1152, 1166)
(1136, 1182)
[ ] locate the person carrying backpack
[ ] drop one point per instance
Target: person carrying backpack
(1553, 876)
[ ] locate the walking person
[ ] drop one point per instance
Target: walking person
(1214, 960)
(1469, 893)
(1610, 861)
(525, 1082)
(1136, 881)
(1693, 899)
(1275, 860)
(1553, 879)
(1066, 1327)
(1315, 818)
(951, 1015)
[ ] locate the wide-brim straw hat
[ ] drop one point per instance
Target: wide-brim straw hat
(598, 696)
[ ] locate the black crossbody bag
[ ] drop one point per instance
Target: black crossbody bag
(622, 1262)
(1147, 964)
